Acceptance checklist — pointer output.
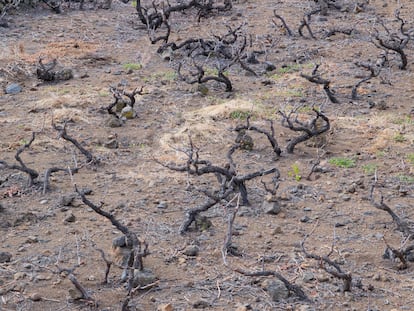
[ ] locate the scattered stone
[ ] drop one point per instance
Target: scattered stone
(202, 223)
(162, 205)
(269, 66)
(200, 304)
(69, 218)
(20, 287)
(28, 217)
(305, 219)
(276, 289)
(5, 257)
(32, 239)
(202, 89)
(113, 121)
(167, 54)
(351, 188)
(128, 112)
(345, 198)
(244, 307)
(277, 230)
(66, 200)
(64, 74)
(75, 294)
(307, 209)
(322, 277)
(245, 141)
(27, 265)
(308, 277)
(43, 202)
(165, 307)
(43, 277)
(13, 88)
(35, 297)
(143, 278)
(112, 144)
(19, 276)
(305, 308)
(271, 208)
(191, 250)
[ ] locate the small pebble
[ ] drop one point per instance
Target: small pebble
(35, 297)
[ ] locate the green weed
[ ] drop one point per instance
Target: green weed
(369, 168)
(295, 172)
(289, 69)
(399, 138)
(410, 158)
(342, 162)
(239, 115)
(132, 66)
(406, 178)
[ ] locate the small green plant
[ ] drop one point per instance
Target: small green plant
(406, 179)
(403, 121)
(295, 172)
(369, 168)
(103, 94)
(23, 142)
(239, 115)
(399, 138)
(342, 162)
(134, 3)
(132, 66)
(289, 69)
(380, 153)
(410, 158)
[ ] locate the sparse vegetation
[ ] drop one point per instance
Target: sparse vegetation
(370, 168)
(342, 162)
(132, 66)
(239, 114)
(295, 172)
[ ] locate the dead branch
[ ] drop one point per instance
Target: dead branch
(374, 69)
(229, 181)
(275, 184)
(80, 288)
(313, 127)
(316, 78)
(227, 245)
(200, 78)
(63, 134)
(306, 23)
(396, 42)
(270, 135)
(108, 264)
(291, 287)
(333, 268)
(45, 71)
(52, 170)
(285, 26)
(22, 166)
(137, 254)
(403, 226)
(400, 254)
(154, 17)
(119, 95)
(334, 31)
